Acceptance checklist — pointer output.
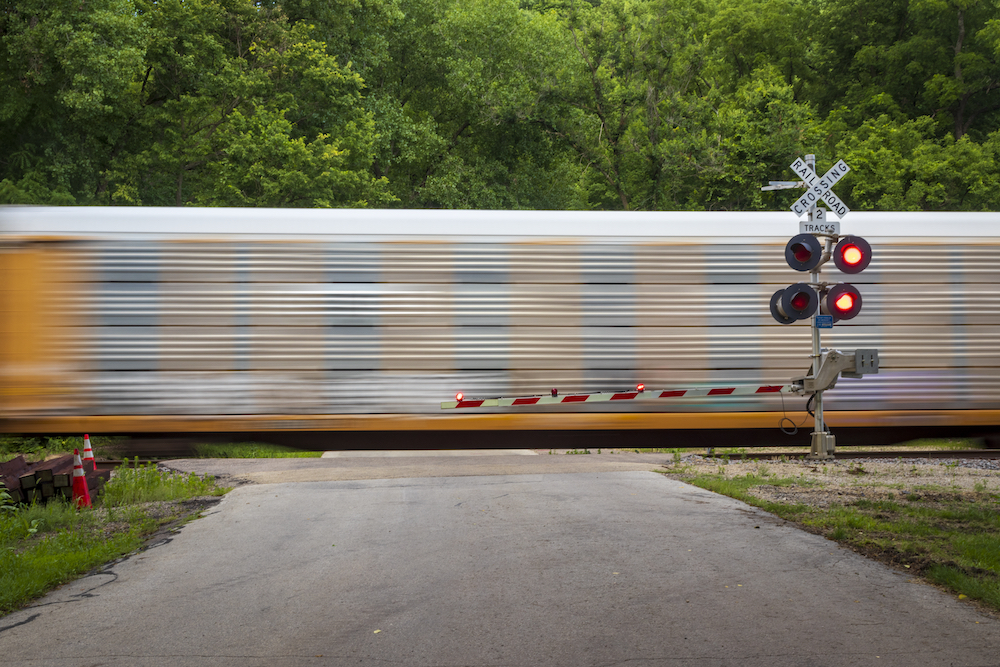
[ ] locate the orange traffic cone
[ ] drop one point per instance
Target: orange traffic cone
(81, 495)
(88, 453)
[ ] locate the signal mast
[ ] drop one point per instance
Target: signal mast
(824, 302)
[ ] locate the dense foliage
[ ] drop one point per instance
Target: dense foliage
(599, 104)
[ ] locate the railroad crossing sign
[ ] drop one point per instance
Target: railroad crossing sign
(818, 188)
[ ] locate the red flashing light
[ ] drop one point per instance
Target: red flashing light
(640, 387)
(555, 392)
(844, 302)
(459, 396)
(853, 254)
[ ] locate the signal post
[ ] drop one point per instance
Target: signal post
(823, 302)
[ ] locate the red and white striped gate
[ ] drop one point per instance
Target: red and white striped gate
(640, 393)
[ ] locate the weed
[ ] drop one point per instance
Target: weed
(40, 447)
(6, 501)
(251, 450)
(943, 443)
(145, 483)
(659, 450)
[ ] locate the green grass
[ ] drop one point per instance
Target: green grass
(147, 483)
(737, 487)
(40, 447)
(37, 448)
(43, 546)
(965, 584)
(659, 450)
(952, 540)
(251, 450)
(33, 564)
(944, 443)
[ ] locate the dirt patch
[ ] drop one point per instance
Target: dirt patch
(846, 481)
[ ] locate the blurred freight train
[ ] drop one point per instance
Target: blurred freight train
(254, 321)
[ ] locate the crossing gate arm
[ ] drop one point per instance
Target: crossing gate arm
(629, 395)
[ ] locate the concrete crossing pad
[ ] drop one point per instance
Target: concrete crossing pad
(423, 453)
(604, 568)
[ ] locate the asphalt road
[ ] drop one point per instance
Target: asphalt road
(545, 568)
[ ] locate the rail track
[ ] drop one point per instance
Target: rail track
(944, 454)
(882, 454)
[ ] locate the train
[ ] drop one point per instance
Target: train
(344, 324)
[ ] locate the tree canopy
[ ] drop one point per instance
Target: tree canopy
(506, 104)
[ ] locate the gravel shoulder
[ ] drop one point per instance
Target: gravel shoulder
(844, 481)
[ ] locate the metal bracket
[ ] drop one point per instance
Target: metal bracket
(832, 365)
(865, 363)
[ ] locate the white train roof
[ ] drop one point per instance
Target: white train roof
(303, 224)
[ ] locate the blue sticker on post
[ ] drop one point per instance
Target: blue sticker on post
(824, 321)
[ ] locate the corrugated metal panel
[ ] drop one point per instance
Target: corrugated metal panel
(302, 328)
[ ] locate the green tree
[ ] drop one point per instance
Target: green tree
(69, 76)
(912, 58)
(454, 107)
(902, 166)
(648, 114)
(761, 128)
(746, 36)
(241, 109)
(175, 102)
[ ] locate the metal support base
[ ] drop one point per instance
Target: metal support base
(824, 444)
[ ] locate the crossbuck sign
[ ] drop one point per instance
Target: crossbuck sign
(818, 188)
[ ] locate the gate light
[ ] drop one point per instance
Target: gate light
(843, 302)
(795, 302)
(852, 255)
(803, 252)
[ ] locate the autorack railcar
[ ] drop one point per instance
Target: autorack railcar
(156, 320)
